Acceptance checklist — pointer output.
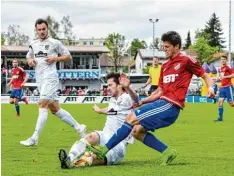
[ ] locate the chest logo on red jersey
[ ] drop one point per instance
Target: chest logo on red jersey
(169, 78)
(177, 67)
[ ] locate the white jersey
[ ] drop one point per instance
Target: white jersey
(40, 50)
(117, 112)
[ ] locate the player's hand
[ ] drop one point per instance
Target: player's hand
(50, 60)
(96, 108)
(124, 81)
(9, 84)
(22, 85)
(144, 86)
(210, 93)
(32, 62)
(135, 105)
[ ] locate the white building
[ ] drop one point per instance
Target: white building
(144, 57)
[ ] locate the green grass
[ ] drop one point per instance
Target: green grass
(204, 147)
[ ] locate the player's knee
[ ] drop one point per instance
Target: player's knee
(231, 104)
(132, 119)
(137, 132)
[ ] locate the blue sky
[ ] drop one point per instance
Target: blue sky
(97, 18)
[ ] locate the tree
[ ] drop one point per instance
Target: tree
(53, 27)
(67, 26)
(2, 38)
(156, 44)
(213, 27)
(188, 41)
(203, 49)
(14, 37)
(137, 44)
(145, 70)
(117, 46)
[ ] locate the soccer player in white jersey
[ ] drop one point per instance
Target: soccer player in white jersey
(116, 111)
(43, 54)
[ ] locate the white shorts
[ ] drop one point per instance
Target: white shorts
(115, 155)
(48, 90)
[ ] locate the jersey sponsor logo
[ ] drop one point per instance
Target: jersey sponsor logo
(15, 76)
(47, 47)
(169, 78)
(177, 67)
(40, 54)
(112, 112)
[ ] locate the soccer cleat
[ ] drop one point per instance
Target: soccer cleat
(64, 160)
(82, 131)
(17, 116)
(26, 100)
(29, 142)
(218, 120)
(168, 156)
(100, 151)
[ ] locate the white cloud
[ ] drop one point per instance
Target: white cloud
(97, 18)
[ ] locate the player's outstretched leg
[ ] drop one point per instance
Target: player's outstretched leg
(68, 119)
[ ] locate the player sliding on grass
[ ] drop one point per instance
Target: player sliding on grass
(43, 54)
(116, 111)
(226, 89)
(19, 78)
(162, 108)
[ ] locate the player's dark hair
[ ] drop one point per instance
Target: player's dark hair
(225, 57)
(173, 37)
(115, 77)
(40, 21)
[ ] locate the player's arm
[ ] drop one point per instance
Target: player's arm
(124, 81)
(153, 97)
(229, 76)
(99, 110)
(10, 83)
(25, 77)
(147, 82)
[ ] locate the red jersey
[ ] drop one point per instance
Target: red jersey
(226, 71)
(175, 78)
(18, 75)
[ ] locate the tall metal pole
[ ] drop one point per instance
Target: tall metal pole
(153, 21)
(230, 27)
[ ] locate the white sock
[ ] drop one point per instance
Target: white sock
(67, 118)
(42, 118)
(78, 149)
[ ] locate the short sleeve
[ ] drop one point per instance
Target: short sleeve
(30, 54)
(194, 67)
(160, 83)
(61, 49)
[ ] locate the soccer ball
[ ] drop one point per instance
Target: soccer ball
(84, 160)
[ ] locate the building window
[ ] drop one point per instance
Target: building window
(84, 43)
(91, 43)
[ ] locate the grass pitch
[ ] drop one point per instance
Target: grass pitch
(204, 147)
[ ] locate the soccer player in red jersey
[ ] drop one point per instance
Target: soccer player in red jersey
(226, 89)
(162, 108)
(19, 78)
